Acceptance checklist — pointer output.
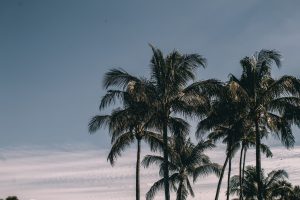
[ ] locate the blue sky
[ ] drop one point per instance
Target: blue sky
(53, 54)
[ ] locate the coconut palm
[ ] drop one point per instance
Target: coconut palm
(286, 191)
(127, 124)
(296, 193)
(248, 141)
(283, 190)
(274, 185)
(229, 136)
(170, 93)
(267, 99)
(186, 161)
(229, 121)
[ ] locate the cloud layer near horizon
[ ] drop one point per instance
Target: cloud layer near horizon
(77, 174)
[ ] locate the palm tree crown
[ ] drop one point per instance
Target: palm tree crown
(274, 185)
(186, 160)
(267, 100)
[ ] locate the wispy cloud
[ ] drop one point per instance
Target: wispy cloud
(45, 174)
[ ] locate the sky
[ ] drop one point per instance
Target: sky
(53, 55)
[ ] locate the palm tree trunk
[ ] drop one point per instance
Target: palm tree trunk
(258, 161)
(137, 175)
(244, 164)
(179, 191)
(240, 172)
(228, 178)
(220, 179)
(166, 167)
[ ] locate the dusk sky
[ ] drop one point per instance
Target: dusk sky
(53, 54)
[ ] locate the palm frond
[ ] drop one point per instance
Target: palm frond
(285, 85)
(152, 159)
(234, 186)
(282, 129)
(97, 122)
(111, 97)
(190, 188)
(157, 67)
(267, 57)
(178, 126)
(209, 88)
(187, 106)
(266, 150)
(119, 78)
(158, 185)
(203, 145)
(206, 169)
(119, 146)
(154, 140)
(275, 176)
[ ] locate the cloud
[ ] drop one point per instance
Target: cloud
(83, 173)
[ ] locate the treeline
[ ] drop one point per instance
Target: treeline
(239, 113)
(11, 198)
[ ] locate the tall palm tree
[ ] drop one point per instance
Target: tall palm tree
(229, 136)
(185, 160)
(229, 121)
(171, 93)
(267, 99)
(128, 124)
(248, 141)
(226, 119)
(274, 185)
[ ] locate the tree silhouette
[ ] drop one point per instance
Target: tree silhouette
(185, 160)
(274, 185)
(268, 100)
(170, 93)
(129, 123)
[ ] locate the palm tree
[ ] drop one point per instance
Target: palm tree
(170, 93)
(229, 135)
(128, 123)
(247, 141)
(229, 121)
(283, 190)
(226, 119)
(296, 193)
(274, 185)
(267, 99)
(185, 160)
